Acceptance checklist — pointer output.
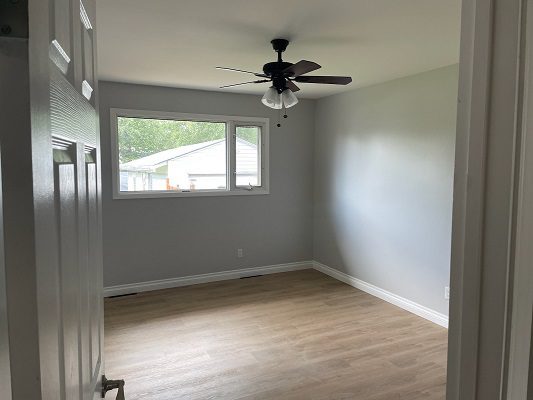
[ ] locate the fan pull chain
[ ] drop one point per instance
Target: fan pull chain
(284, 110)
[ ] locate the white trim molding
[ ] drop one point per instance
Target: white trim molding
(487, 174)
(520, 327)
(406, 304)
(204, 278)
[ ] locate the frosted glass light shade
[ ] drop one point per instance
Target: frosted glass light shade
(289, 99)
(272, 98)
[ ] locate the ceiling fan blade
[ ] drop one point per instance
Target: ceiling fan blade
(300, 68)
(292, 86)
(240, 70)
(330, 80)
(245, 83)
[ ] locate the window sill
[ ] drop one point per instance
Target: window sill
(208, 193)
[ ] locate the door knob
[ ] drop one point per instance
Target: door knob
(108, 385)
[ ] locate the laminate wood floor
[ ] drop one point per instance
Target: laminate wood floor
(295, 335)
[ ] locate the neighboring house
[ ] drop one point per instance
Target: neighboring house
(193, 167)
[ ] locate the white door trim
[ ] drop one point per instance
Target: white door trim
(521, 318)
(476, 31)
(485, 185)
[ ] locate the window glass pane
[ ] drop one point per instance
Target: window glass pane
(170, 155)
(248, 156)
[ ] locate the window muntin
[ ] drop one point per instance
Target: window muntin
(169, 154)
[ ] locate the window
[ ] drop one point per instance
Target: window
(248, 156)
(159, 154)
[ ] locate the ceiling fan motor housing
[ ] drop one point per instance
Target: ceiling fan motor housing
(275, 71)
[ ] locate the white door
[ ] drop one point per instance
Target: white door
(77, 194)
(52, 201)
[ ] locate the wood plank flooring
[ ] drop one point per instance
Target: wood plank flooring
(296, 335)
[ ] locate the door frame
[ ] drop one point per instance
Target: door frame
(522, 296)
(488, 176)
(5, 369)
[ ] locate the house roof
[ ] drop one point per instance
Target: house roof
(198, 152)
(153, 161)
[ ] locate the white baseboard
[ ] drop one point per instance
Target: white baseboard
(204, 278)
(389, 297)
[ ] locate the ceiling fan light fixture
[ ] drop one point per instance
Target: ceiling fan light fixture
(289, 98)
(272, 98)
(283, 77)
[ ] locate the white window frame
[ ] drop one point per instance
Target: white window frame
(231, 123)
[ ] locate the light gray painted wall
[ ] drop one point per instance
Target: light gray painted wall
(149, 239)
(384, 160)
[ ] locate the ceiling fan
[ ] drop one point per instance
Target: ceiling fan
(283, 76)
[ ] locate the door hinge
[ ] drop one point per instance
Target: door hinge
(14, 18)
(108, 385)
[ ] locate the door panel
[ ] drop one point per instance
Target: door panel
(95, 298)
(83, 265)
(80, 305)
(69, 278)
(88, 77)
(61, 34)
(61, 29)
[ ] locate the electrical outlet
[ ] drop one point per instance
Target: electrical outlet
(240, 253)
(447, 292)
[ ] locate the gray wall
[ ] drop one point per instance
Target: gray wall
(149, 239)
(384, 159)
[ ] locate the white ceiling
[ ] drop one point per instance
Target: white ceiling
(179, 42)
